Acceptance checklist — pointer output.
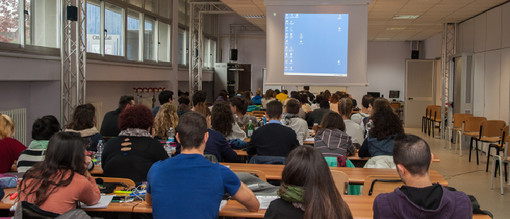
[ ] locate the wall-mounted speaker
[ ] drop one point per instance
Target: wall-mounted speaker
(415, 54)
(233, 54)
(72, 13)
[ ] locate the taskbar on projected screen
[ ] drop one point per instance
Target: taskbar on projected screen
(315, 74)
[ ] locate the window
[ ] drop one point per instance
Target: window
(151, 5)
(137, 3)
(41, 19)
(113, 30)
(207, 52)
(165, 8)
(183, 47)
(93, 26)
(164, 44)
(150, 39)
(133, 35)
(183, 12)
(9, 24)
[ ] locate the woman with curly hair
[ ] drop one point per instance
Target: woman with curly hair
(302, 194)
(386, 125)
(61, 180)
(222, 120)
(165, 119)
(132, 153)
(83, 121)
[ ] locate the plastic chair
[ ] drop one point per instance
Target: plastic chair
(472, 130)
(491, 131)
(341, 181)
(457, 127)
(503, 160)
(384, 183)
(500, 146)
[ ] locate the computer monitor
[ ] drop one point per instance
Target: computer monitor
(394, 94)
(374, 94)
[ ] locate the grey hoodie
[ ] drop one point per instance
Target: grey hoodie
(333, 142)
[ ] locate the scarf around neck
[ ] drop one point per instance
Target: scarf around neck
(135, 132)
(292, 194)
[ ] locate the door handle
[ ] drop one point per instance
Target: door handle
(410, 98)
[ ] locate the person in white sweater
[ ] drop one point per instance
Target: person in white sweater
(293, 121)
(351, 128)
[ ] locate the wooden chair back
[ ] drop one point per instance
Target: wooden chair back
(428, 112)
(257, 173)
(375, 185)
(128, 182)
(258, 113)
(436, 113)
(341, 181)
(459, 118)
(472, 124)
(492, 128)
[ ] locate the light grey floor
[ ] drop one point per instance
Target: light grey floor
(467, 176)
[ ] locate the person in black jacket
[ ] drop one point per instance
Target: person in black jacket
(132, 153)
(273, 139)
(110, 125)
(316, 115)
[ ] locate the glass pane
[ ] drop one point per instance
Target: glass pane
(113, 30)
(41, 19)
(182, 47)
(213, 53)
(164, 45)
(136, 2)
(165, 8)
(183, 12)
(151, 5)
(133, 35)
(93, 27)
(9, 24)
(150, 39)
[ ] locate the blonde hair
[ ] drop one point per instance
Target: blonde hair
(167, 117)
(6, 126)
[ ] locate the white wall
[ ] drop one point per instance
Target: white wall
(432, 47)
(488, 37)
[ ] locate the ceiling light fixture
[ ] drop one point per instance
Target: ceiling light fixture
(254, 16)
(395, 28)
(405, 17)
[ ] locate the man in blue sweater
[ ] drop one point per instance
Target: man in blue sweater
(419, 197)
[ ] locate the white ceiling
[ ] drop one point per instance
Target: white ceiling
(381, 25)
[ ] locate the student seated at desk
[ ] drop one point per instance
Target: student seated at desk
(132, 154)
(62, 179)
(331, 139)
(165, 119)
(293, 121)
(273, 139)
(379, 143)
(10, 148)
(351, 128)
(302, 195)
(188, 185)
(239, 106)
(419, 198)
(222, 120)
(83, 121)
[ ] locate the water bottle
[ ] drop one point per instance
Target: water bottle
(171, 135)
(250, 129)
(370, 125)
(264, 119)
(99, 153)
(169, 148)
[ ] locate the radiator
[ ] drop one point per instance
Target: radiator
(20, 120)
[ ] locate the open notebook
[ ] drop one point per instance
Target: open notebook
(103, 202)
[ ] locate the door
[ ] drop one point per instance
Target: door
(419, 90)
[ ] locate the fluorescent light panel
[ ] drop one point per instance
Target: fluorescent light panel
(405, 17)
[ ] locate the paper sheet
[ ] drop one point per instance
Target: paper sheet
(103, 202)
(266, 200)
(222, 204)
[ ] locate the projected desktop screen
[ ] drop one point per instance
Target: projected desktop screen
(316, 44)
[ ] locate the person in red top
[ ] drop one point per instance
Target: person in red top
(61, 180)
(10, 148)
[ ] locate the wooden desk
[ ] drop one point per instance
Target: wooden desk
(356, 175)
(241, 153)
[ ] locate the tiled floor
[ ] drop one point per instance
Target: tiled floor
(467, 176)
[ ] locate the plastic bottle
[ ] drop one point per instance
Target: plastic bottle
(171, 135)
(169, 147)
(99, 153)
(250, 129)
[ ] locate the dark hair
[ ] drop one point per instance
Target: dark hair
(413, 153)
(124, 101)
(269, 94)
(199, 97)
(83, 117)
(386, 122)
(44, 127)
(65, 154)
(285, 91)
(335, 98)
(333, 120)
(274, 109)
(183, 104)
(324, 104)
(292, 106)
(319, 98)
(327, 94)
(222, 118)
(191, 129)
(303, 98)
(366, 100)
(277, 91)
(184, 100)
(164, 96)
(307, 168)
(345, 107)
(306, 87)
(203, 109)
(138, 116)
(240, 104)
(246, 95)
(294, 94)
(223, 94)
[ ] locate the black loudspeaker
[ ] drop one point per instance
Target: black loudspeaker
(72, 13)
(415, 54)
(233, 54)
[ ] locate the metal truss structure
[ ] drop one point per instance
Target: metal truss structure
(196, 15)
(448, 51)
(73, 58)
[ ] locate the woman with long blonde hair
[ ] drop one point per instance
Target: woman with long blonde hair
(167, 117)
(10, 148)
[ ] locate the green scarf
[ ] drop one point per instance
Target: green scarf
(293, 194)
